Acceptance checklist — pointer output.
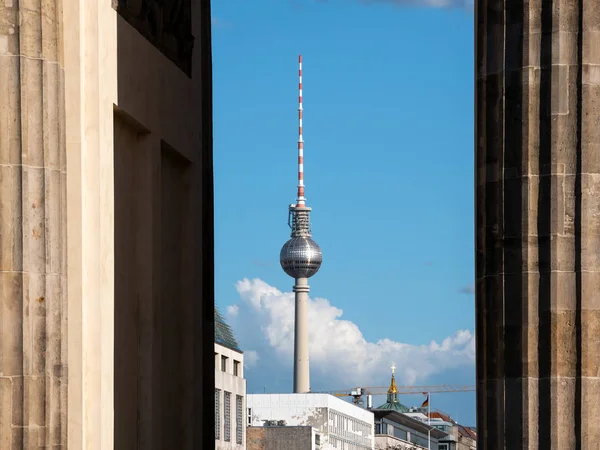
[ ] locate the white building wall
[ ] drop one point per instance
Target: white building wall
(387, 442)
(342, 426)
(390, 430)
(231, 380)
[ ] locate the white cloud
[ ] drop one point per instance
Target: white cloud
(233, 310)
(338, 346)
(251, 358)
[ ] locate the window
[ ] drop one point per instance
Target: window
(443, 447)
(227, 408)
(239, 419)
(236, 368)
(400, 434)
(224, 363)
(217, 414)
(418, 440)
(249, 417)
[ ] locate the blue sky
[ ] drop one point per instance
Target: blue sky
(388, 130)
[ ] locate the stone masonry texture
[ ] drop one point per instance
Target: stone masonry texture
(538, 224)
(32, 227)
(279, 438)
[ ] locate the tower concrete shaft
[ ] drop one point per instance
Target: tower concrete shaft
(301, 359)
(538, 224)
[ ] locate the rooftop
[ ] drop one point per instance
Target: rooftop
(408, 421)
(463, 431)
(223, 334)
(441, 415)
(467, 432)
(394, 406)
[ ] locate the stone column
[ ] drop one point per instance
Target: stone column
(33, 298)
(538, 223)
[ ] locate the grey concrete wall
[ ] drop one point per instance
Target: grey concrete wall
(255, 438)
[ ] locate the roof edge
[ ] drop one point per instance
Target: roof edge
(237, 350)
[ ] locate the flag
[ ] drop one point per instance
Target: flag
(426, 402)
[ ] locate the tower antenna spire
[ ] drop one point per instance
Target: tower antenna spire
(300, 258)
(301, 201)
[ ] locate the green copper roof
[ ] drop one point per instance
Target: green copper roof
(395, 406)
(223, 334)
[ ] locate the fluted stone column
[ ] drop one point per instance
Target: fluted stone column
(538, 224)
(32, 227)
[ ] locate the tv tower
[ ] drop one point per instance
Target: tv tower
(300, 258)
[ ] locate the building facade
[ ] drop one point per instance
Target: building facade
(341, 425)
(283, 438)
(106, 225)
(230, 389)
(457, 437)
(398, 431)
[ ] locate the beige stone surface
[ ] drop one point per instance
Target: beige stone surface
(81, 91)
(33, 298)
(538, 209)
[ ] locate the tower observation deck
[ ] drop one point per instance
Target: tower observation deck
(300, 258)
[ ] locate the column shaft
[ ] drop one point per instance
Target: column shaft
(538, 223)
(32, 227)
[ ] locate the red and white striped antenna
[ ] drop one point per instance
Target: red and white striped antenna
(301, 201)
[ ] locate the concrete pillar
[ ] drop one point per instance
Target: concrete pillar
(33, 293)
(538, 223)
(301, 359)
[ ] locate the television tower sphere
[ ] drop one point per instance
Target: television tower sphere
(301, 257)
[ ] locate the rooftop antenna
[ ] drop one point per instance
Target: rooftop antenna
(300, 201)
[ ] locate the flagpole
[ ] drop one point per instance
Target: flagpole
(429, 421)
